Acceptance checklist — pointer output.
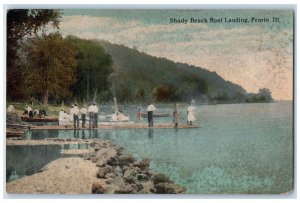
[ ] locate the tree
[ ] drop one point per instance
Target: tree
(93, 68)
(23, 23)
(50, 67)
(264, 95)
(163, 93)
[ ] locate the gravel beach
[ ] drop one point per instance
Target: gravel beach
(105, 168)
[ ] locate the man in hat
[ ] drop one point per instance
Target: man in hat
(150, 110)
(75, 112)
(95, 111)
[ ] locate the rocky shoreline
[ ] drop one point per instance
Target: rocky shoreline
(120, 173)
(117, 172)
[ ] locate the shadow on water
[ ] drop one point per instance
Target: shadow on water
(42, 134)
(150, 133)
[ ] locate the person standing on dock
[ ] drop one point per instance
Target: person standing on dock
(75, 112)
(190, 114)
(71, 113)
(95, 111)
(61, 117)
(83, 112)
(150, 110)
(91, 114)
(176, 116)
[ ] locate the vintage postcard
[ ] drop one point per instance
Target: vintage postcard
(149, 101)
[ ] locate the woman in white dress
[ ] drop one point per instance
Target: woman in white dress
(190, 114)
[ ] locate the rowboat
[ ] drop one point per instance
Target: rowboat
(38, 119)
(145, 115)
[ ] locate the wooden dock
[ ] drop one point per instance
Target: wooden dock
(118, 126)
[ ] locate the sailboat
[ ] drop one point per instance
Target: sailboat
(117, 118)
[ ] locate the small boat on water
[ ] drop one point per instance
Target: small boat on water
(39, 119)
(157, 114)
(117, 118)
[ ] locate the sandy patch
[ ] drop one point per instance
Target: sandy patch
(62, 176)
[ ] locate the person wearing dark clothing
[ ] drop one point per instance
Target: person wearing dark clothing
(150, 110)
(83, 112)
(176, 116)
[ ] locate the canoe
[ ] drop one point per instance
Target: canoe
(145, 115)
(38, 119)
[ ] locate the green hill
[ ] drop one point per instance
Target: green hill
(138, 77)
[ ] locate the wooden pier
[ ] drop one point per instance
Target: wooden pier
(117, 126)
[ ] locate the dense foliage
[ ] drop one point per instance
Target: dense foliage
(139, 77)
(23, 23)
(92, 71)
(49, 67)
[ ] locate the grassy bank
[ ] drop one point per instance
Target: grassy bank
(52, 110)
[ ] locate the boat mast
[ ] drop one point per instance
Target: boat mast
(94, 100)
(115, 100)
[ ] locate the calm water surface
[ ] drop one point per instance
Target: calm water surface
(240, 148)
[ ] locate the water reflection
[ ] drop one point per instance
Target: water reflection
(83, 134)
(27, 160)
(150, 133)
(40, 135)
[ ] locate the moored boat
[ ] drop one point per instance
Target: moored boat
(38, 119)
(157, 114)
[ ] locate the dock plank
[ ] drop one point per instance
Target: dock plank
(119, 126)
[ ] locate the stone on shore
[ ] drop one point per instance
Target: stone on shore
(126, 159)
(143, 164)
(98, 188)
(169, 188)
(161, 178)
(102, 171)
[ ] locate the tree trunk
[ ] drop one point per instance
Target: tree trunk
(45, 98)
(87, 87)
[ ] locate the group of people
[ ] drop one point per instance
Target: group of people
(76, 114)
(190, 114)
(36, 112)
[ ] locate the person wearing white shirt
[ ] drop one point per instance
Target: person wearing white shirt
(150, 110)
(95, 111)
(64, 118)
(75, 112)
(61, 118)
(91, 114)
(83, 112)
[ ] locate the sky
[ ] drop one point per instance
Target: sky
(254, 54)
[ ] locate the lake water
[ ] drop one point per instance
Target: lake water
(239, 149)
